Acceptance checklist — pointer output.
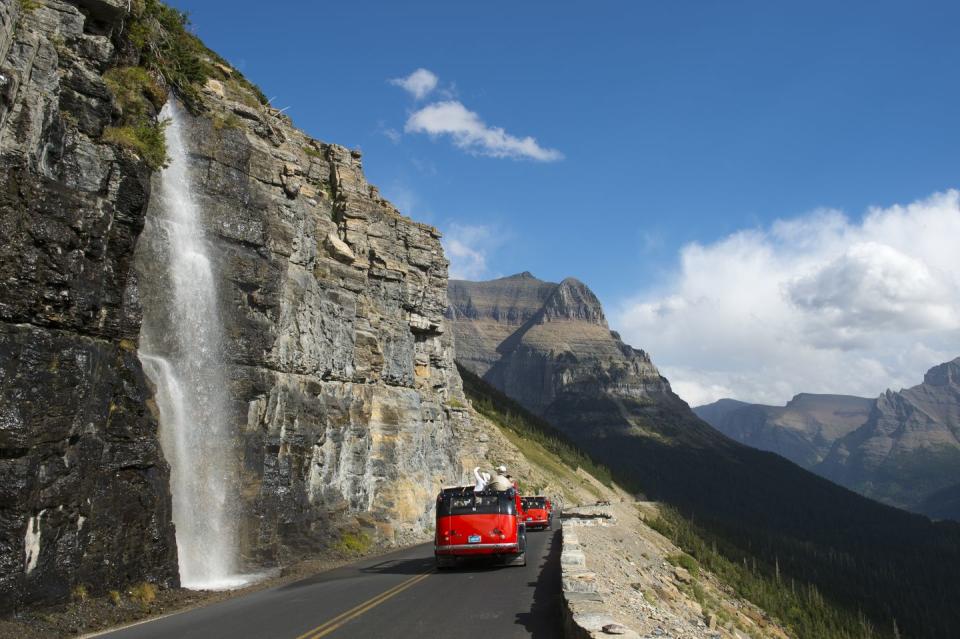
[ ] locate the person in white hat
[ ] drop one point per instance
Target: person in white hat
(501, 481)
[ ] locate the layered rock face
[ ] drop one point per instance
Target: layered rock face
(542, 342)
(909, 448)
(803, 431)
(83, 484)
(341, 370)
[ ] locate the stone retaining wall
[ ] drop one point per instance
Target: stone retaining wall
(585, 613)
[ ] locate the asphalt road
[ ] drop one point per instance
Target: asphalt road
(395, 595)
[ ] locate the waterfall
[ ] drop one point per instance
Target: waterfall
(181, 346)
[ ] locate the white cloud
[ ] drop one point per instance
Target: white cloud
(391, 134)
(818, 303)
(468, 246)
(471, 133)
(419, 84)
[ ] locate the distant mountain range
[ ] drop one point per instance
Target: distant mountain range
(902, 448)
(548, 346)
(803, 431)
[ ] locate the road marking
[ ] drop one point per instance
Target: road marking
(329, 626)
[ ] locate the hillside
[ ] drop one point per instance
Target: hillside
(942, 504)
(635, 566)
(565, 365)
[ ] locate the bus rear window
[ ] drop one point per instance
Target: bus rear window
(470, 503)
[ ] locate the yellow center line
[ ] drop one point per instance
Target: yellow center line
(329, 626)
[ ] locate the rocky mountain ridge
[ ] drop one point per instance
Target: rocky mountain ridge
(803, 431)
(543, 339)
(909, 447)
(900, 448)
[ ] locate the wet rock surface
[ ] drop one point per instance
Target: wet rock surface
(83, 485)
(340, 369)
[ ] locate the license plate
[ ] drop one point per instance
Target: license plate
(473, 539)
(529, 518)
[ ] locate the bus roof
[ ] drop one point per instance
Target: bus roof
(460, 490)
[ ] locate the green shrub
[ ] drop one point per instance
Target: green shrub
(159, 35)
(228, 121)
(144, 593)
(146, 139)
(686, 562)
(79, 593)
(27, 6)
(139, 94)
(354, 543)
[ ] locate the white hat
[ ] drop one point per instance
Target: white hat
(501, 469)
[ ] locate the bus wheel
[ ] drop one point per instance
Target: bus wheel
(519, 560)
(445, 563)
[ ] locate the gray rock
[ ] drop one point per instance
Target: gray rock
(339, 365)
(84, 495)
(908, 448)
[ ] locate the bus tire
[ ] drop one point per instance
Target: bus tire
(519, 560)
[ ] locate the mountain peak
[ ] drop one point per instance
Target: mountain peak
(574, 300)
(526, 275)
(946, 374)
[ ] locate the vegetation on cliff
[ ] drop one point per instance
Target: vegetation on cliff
(159, 55)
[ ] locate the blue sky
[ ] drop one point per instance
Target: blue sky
(680, 124)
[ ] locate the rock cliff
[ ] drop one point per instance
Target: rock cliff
(342, 390)
(548, 346)
(340, 367)
(83, 483)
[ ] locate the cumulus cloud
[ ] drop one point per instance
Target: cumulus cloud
(469, 132)
(820, 303)
(468, 247)
(419, 84)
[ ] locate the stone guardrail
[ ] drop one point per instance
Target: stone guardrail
(585, 615)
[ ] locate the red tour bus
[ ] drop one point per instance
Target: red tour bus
(536, 512)
(479, 524)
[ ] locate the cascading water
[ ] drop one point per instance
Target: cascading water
(181, 346)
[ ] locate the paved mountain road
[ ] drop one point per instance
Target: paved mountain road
(395, 595)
